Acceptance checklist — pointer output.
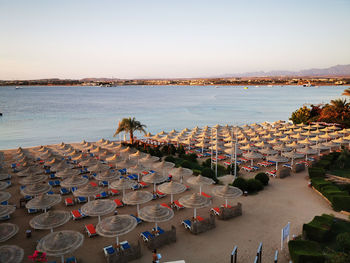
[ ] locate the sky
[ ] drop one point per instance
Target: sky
(169, 39)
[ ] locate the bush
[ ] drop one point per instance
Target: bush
(180, 150)
(319, 182)
(319, 229)
(263, 178)
(316, 172)
(186, 164)
(207, 163)
(196, 172)
(341, 202)
(192, 157)
(254, 185)
(338, 257)
(343, 242)
(207, 172)
(325, 164)
(240, 183)
(170, 159)
(304, 251)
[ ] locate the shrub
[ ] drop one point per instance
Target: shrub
(192, 157)
(319, 229)
(304, 251)
(207, 172)
(263, 178)
(343, 242)
(316, 172)
(240, 183)
(207, 163)
(186, 164)
(318, 183)
(325, 164)
(341, 202)
(338, 257)
(170, 159)
(196, 172)
(164, 149)
(180, 150)
(254, 185)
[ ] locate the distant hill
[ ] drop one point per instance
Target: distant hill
(336, 71)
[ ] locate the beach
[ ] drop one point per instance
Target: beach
(264, 215)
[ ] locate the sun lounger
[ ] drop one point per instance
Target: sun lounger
(51, 183)
(199, 218)
(103, 183)
(133, 177)
(52, 176)
(32, 210)
(158, 231)
(113, 192)
(135, 187)
(138, 220)
(143, 184)
(255, 167)
(248, 168)
(71, 260)
(118, 202)
(177, 205)
(69, 201)
(109, 250)
(186, 223)
(124, 245)
(146, 236)
(244, 160)
(101, 195)
(271, 173)
(160, 194)
(64, 191)
(165, 205)
(4, 203)
(90, 230)
(206, 195)
(57, 182)
(76, 214)
(81, 199)
(93, 184)
(287, 165)
(215, 210)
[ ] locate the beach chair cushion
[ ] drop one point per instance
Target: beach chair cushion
(81, 199)
(206, 195)
(138, 220)
(64, 191)
(76, 214)
(71, 260)
(165, 205)
(215, 210)
(118, 202)
(178, 205)
(109, 250)
(125, 245)
(113, 192)
(90, 229)
(146, 236)
(69, 201)
(186, 223)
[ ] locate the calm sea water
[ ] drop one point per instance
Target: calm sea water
(44, 115)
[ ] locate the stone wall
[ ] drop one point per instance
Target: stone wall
(298, 167)
(283, 172)
(227, 213)
(127, 255)
(203, 226)
(163, 239)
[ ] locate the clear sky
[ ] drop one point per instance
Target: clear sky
(169, 38)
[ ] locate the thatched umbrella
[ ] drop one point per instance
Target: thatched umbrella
(252, 156)
(137, 198)
(163, 166)
(282, 147)
(44, 201)
(137, 156)
(88, 162)
(200, 180)
(227, 192)
(122, 184)
(67, 173)
(11, 253)
(293, 155)
(294, 145)
(171, 188)
(29, 171)
(305, 142)
(60, 243)
(278, 159)
(7, 230)
(125, 164)
(35, 189)
(99, 167)
(149, 160)
(60, 166)
(137, 169)
(307, 150)
(127, 151)
(115, 226)
(3, 185)
(194, 201)
(87, 191)
(156, 214)
(107, 176)
(180, 172)
(4, 196)
(154, 178)
(50, 220)
(54, 161)
(74, 181)
(33, 179)
(99, 208)
(4, 176)
(6, 210)
(268, 151)
(114, 158)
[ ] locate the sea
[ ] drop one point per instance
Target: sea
(39, 115)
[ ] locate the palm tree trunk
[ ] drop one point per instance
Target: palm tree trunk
(131, 137)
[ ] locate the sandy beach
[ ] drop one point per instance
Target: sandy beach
(264, 214)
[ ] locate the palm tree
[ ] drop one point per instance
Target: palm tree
(130, 125)
(337, 111)
(346, 92)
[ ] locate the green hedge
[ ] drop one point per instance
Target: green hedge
(341, 202)
(319, 182)
(304, 251)
(316, 172)
(319, 229)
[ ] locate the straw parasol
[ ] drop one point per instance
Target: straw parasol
(114, 158)
(67, 173)
(4, 176)
(125, 164)
(60, 243)
(74, 181)
(87, 191)
(268, 151)
(277, 159)
(282, 147)
(127, 151)
(99, 167)
(148, 160)
(50, 220)
(115, 226)
(163, 166)
(227, 192)
(137, 169)
(33, 179)
(138, 155)
(194, 201)
(44, 201)
(305, 142)
(29, 171)
(60, 166)
(35, 189)
(200, 180)
(6, 210)
(180, 172)
(154, 178)
(307, 150)
(7, 230)
(11, 253)
(107, 176)
(137, 198)
(122, 184)
(172, 188)
(88, 162)
(156, 214)
(293, 155)
(252, 156)
(99, 208)
(3, 185)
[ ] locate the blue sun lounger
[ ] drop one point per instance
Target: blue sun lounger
(159, 230)
(109, 250)
(187, 223)
(125, 245)
(138, 220)
(146, 236)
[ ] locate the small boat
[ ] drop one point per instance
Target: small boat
(17, 87)
(245, 88)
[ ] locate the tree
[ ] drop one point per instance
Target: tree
(130, 125)
(346, 92)
(301, 115)
(337, 111)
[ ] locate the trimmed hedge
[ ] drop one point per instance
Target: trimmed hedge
(341, 202)
(316, 172)
(304, 251)
(263, 178)
(319, 229)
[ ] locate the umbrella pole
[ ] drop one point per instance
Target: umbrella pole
(195, 213)
(276, 165)
(137, 207)
(216, 155)
(225, 202)
(154, 187)
(235, 157)
(156, 226)
(200, 189)
(51, 230)
(88, 198)
(171, 198)
(117, 240)
(99, 219)
(292, 161)
(123, 191)
(62, 258)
